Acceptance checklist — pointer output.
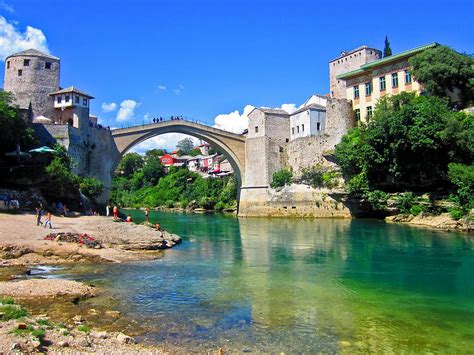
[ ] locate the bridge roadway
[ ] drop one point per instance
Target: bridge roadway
(232, 145)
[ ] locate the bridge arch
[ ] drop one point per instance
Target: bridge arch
(231, 145)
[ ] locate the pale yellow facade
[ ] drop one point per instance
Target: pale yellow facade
(364, 103)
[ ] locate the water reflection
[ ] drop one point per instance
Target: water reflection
(301, 285)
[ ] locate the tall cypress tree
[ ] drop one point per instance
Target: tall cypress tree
(387, 51)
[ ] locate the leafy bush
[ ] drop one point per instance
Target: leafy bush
(281, 178)
(313, 176)
(377, 199)
(462, 176)
(91, 187)
(456, 213)
(416, 210)
(405, 202)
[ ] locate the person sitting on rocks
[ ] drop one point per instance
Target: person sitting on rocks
(157, 227)
(129, 219)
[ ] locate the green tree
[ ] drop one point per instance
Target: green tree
(445, 73)
(130, 163)
(154, 153)
(387, 51)
(14, 129)
(91, 187)
(407, 145)
(185, 145)
(153, 170)
(281, 178)
(195, 152)
(462, 176)
(60, 170)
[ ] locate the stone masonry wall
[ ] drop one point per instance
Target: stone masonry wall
(308, 151)
(34, 84)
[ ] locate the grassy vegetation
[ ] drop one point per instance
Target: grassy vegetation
(9, 310)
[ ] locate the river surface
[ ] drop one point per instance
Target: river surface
(300, 285)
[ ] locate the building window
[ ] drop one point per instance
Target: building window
(356, 91)
(256, 129)
(318, 126)
(357, 114)
(407, 77)
(292, 130)
(26, 62)
(297, 129)
(368, 88)
(47, 65)
(59, 99)
(77, 99)
(84, 102)
(395, 80)
(67, 98)
(8, 65)
(369, 112)
(20, 72)
(382, 83)
(302, 127)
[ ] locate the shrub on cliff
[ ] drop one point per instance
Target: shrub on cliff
(91, 187)
(462, 176)
(407, 145)
(281, 178)
(14, 129)
(319, 176)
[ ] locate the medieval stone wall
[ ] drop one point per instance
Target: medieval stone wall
(308, 151)
(34, 84)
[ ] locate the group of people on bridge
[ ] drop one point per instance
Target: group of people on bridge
(172, 118)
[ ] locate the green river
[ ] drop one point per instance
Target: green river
(299, 285)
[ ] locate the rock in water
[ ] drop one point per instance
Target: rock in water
(125, 339)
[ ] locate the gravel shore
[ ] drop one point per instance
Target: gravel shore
(22, 245)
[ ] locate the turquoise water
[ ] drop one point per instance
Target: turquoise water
(298, 285)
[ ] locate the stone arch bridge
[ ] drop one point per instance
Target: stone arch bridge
(232, 145)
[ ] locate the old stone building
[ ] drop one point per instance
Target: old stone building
(31, 76)
(375, 77)
(346, 62)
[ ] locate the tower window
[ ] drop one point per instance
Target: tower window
(84, 102)
(77, 99)
(256, 129)
(26, 62)
(8, 65)
(302, 127)
(395, 80)
(297, 129)
(292, 130)
(318, 126)
(47, 65)
(357, 114)
(59, 99)
(67, 98)
(356, 91)
(20, 72)
(368, 88)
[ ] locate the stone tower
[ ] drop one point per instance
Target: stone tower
(346, 62)
(30, 76)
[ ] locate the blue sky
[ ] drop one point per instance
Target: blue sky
(200, 59)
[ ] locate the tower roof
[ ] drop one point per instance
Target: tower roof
(69, 90)
(33, 53)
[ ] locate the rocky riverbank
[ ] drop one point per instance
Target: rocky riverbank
(72, 240)
(443, 221)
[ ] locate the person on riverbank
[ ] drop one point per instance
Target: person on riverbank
(129, 219)
(147, 210)
(39, 214)
(115, 212)
(49, 217)
(107, 210)
(157, 227)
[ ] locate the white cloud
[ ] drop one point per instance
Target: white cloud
(109, 107)
(127, 110)
(162, 87)
(166, 141)
(13, 40)
(6, 7)
(234, 121)
(237, 123)
(179, 89)
(147, 116)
